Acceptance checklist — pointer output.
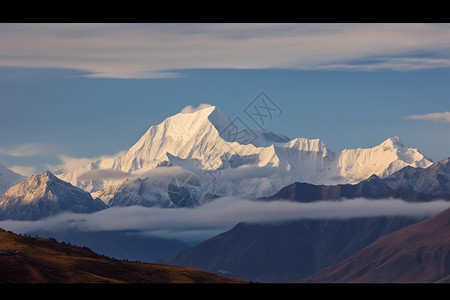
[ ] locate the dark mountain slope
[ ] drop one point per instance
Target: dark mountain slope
(286, 251)
(419, 253)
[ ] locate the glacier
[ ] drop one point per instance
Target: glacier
(232, 160)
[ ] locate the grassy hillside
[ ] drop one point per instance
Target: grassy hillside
(25, 259)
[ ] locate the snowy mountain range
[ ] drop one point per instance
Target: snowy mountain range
(192, 158)
(229, 159)
(44, 195)
(8, 178)
(434, 180)
(409, 184)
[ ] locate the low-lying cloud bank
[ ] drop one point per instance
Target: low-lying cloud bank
(221, 215)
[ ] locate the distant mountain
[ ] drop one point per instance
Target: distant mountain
(26, 259)
(410, 184)
(275, 252)
(207, 143)
(8, 178)
(433, 180)
(285, 252)
(44, 195)
(419, 253)
(374, 187)
(120, 244)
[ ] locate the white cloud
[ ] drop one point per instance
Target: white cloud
(70, 164)
(190, 109)
(26, 150)
(161, 174)
(395, 64)
(251, 171)
(222, 214)
(76, 164)
(105, 174)
(159, 50)
(438, 117)
(24, 170)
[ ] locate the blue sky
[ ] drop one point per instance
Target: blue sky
(73, 92)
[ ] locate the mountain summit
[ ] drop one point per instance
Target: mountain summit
(206, 140)
(44, 195)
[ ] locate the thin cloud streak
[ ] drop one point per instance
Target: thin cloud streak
(70, 164)
(402, 64)
(437, 117)
(106, 174)
(221, 215)
(159, 50)
(26, 150)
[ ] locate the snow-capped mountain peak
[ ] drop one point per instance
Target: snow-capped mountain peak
(43, 195)
(206, 140)
(34, 187)
(392, 142)
(382, 160)
(183, 135)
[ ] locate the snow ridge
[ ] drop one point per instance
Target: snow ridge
(200, 141)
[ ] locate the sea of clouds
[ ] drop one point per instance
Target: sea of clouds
(220, 215)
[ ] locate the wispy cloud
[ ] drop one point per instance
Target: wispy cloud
(159, 50)
(70, 164)
(390, 63)
(222, 214)
(437, 117)
(106, 174)
(24, 170)
(190, 109)
(24, 150)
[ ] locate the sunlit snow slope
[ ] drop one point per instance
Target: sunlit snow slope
(206, 141)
